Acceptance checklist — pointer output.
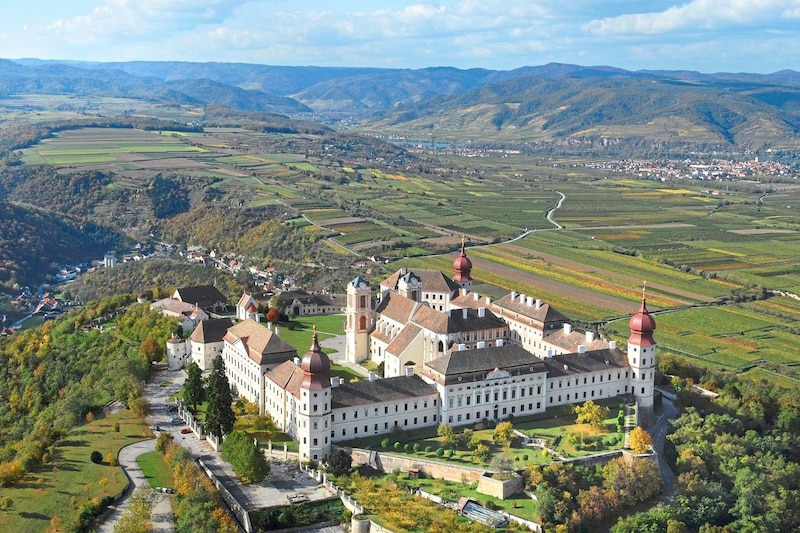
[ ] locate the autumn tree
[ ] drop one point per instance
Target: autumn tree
(273, 315)
(193, 391)
(152, 349)
(591, 413)
(504, 434)
(448, 435)
(639, 440)
(220, 417)
(136, 517)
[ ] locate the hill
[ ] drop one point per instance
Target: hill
(56, 78)
(30, 240)
(553, 103)
(630, 108)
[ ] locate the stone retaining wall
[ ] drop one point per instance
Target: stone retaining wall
(434, 469)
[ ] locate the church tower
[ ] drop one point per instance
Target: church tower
(462, 267)
(315, 407)
(642, 360)
(358, 316)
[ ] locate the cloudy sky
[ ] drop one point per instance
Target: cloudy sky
(705, 35)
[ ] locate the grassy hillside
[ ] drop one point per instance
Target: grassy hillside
(625, 108)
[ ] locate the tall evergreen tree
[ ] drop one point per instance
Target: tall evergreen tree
(220, 417)
(193, 391)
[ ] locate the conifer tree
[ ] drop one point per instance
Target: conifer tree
(193, 386)
(220, 417)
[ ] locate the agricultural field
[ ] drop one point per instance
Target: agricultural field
(693, 245)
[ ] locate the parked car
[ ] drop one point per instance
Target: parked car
(155, 427)
(186, 430)
(176, 420)
(171, 407)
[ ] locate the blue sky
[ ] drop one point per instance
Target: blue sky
(705, 35)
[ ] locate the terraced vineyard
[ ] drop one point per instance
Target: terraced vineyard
(693, 245)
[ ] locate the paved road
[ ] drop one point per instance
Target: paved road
(285, 479)
(163, 518)
(659, 434)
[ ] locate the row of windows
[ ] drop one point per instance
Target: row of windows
(385, 426)
(569, 381)
(496, 413)
(386, 409)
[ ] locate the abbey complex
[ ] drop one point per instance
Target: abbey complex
(450, 356)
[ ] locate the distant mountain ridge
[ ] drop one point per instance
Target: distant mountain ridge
(546, 103)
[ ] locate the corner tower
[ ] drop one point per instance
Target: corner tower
(314, 411)
(462, 267)
(642, 360)
(358, 320)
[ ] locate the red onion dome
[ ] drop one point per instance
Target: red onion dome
(316, 366)
(462, 266)
(642, 326)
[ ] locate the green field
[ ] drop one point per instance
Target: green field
(693, 245)
(70, 479)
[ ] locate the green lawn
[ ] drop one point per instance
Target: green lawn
(557, 426)
(58, 490)
(301, 330)
(155, 469)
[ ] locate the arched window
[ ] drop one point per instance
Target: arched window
(441, 346)
(362, 322)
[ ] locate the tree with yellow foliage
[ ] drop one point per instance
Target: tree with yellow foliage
(639, 440)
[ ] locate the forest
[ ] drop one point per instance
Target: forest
(736, 458)
(52, 376)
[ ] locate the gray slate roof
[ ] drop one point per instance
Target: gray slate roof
(508, 356)
(380, 390)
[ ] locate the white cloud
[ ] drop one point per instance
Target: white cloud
(697, 14)
(115, 19)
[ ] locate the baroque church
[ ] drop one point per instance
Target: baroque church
(454, 357)
(450, 356)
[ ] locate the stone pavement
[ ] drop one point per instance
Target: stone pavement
(338, 343)
(162, 511)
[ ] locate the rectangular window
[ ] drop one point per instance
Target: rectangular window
(315, 442)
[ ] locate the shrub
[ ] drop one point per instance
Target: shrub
(450, 452)
(428, 449)
(96, 457)
(439, 452)
(406, 447)
(397, 445)
(385, 443)
(116, 427)
(416, 447)
(524, 456)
